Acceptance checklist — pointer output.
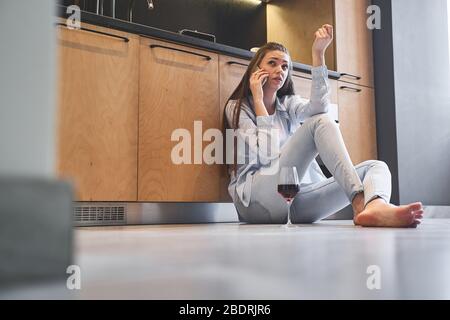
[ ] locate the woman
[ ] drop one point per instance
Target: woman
(265, 100)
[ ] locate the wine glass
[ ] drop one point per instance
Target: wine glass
(288, 187)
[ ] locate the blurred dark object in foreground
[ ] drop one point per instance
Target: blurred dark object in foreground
(36, 231)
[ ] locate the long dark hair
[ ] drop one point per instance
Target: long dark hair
(243, 91)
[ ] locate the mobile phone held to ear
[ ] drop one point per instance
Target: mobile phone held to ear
(264, 80)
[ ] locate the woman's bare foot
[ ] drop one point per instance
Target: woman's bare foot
(378, 213)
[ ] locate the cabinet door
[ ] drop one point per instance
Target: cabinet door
(178, 85)
(302, 86)
(358, 121)
(354, 55)
(98, 113)
(231, 71)
(294, 22)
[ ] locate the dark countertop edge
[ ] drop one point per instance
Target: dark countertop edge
(139, 29)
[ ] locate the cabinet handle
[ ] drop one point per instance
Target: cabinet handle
(238, 63)
(350, 89)
(94, 31)
(348, 75)
(185, 51)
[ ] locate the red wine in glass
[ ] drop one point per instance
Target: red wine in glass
(288, 191)
(288, 187)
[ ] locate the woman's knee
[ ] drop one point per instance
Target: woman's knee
(322, 118)
(382, 164)
(377, 164)
(374, 163)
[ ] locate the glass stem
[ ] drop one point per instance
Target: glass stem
(289, 213)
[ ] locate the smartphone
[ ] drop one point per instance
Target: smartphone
(265, 80)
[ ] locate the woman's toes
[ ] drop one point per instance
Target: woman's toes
(415, 206)
(405, 213)
(391, 216)
(418, 214)
(414, 225)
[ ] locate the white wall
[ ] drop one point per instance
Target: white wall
(422, 100)
(448, 20)
(27, 88)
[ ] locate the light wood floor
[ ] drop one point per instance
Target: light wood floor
(328, 260)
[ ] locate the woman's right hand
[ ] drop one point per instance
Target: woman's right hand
(256, 84)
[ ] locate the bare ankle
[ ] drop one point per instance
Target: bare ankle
(358, 203)
(374, 202)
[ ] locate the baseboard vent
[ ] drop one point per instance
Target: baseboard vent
(150, 213)
(99, 214)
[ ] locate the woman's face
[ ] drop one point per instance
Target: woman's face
(276, 63)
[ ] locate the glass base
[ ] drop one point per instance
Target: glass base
(289, 226)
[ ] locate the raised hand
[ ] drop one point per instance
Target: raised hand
(323, 38)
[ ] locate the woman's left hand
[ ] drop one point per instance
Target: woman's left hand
(323, 38)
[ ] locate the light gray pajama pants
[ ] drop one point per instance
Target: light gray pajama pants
(318, 135)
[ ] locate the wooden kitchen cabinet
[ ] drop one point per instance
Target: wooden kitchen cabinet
(98, 112)
(302, 86)
(231, 71)
(177, 86)
(357, 121)
(293, 24)
(352, 57)
(121, 96)
(354, 49)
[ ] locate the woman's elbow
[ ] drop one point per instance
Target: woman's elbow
(321, 107)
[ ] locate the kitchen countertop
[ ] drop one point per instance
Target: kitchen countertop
(123, 25)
